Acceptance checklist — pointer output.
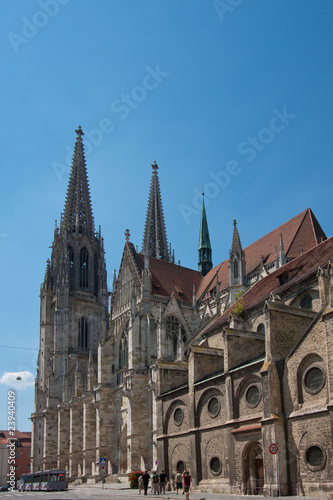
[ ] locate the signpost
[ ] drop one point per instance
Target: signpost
(273, 449)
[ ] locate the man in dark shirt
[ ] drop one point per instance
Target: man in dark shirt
(145, 480)
(163, 479)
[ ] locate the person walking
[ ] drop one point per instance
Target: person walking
(140, 484)
(145, 480)
(179, 484)
(187, 483)
(163, 479)
(154, 481)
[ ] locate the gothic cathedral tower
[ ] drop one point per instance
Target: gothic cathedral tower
(73, 320)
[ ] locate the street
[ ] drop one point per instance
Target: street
(122, 491)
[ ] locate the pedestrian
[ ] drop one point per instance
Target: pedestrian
(154, 483)
(145, 480)
(179, 484)
(187, 482)
(163, 479)
(173, 480)
(140, 484)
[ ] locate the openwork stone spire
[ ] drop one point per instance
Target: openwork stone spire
(155, 242)
(236, 242)
(205, 249)
(78, 216)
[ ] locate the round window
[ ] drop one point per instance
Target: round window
(253, 396)
(215, 465)
(178, 416)
(315, 457)
(213, 407)
(314, 380)
(180, 466)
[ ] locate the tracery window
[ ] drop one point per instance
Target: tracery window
(84, 268)
(175, 330)
(83, 333)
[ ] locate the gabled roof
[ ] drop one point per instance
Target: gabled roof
(291, 273)
(299, 234)
(169, 278)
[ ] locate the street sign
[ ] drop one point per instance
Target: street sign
(102, 461)
(273, 448)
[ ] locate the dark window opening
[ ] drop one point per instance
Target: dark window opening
(84, 268)
(236, 268)
(83, 333)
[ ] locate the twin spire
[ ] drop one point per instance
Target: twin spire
(155, 243)
(78, 217)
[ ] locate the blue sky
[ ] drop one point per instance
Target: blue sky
(233, 95)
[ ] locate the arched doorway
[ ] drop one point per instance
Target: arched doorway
(253, 481)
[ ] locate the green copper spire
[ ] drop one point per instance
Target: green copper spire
(205, 250)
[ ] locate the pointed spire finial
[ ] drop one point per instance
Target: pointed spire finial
(79, 131)
(154, 166)
(127, 235)
(235, 223)
(205, 250)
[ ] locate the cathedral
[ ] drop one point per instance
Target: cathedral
(225, 370)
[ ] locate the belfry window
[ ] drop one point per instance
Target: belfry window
(83, 333)
(84, 268)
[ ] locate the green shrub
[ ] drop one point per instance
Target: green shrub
(133, 479)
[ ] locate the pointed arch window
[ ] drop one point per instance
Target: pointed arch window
(84, 268)
(71, 266)
(236, 275)
(176, 331)
(306, 301)
(83, 333)
(123, 354)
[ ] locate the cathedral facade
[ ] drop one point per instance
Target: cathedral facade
(224, 370)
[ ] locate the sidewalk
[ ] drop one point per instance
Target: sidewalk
(124, 485)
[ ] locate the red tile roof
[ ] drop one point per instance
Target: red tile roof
(296, 270)
(299, 234)
(168, 278)
(17, 435)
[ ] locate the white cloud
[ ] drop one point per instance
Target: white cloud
(18, 380)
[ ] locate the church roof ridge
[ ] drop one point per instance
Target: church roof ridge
(306, 265)
(299, 235)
